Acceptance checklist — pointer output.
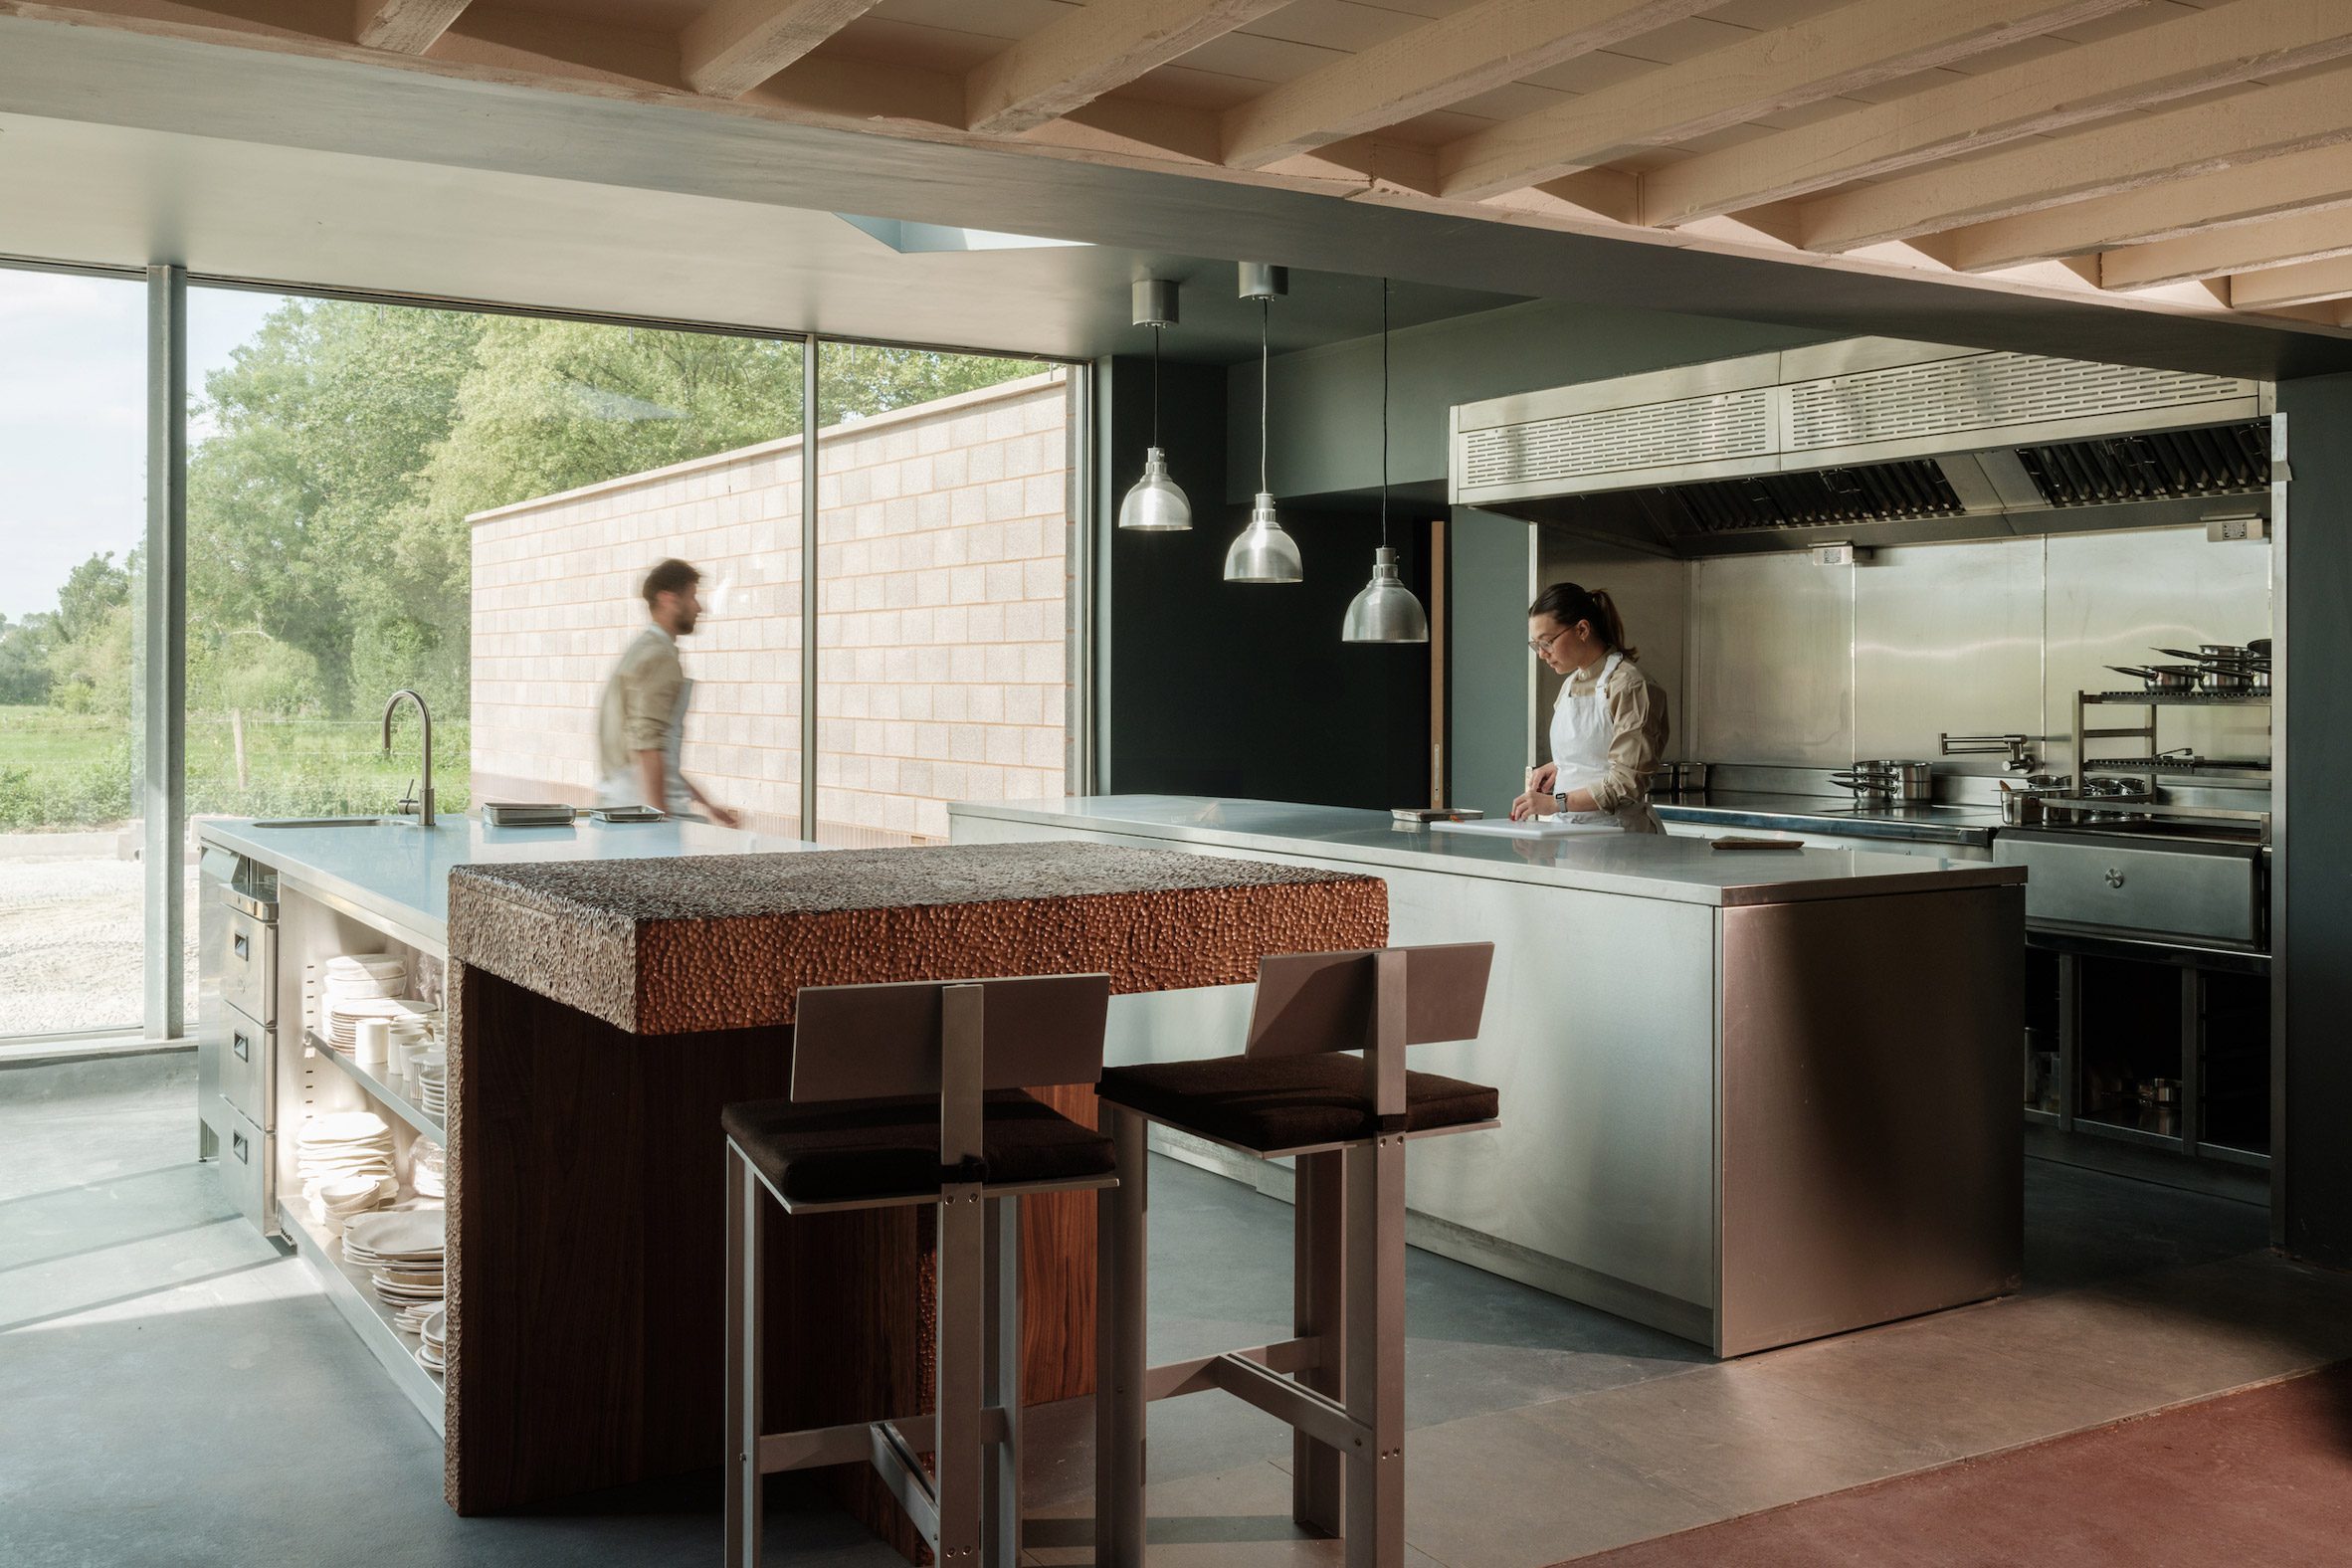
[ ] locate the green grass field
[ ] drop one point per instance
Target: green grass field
(74, 770)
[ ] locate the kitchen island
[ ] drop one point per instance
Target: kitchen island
(599, 1007)
(1750, 1097)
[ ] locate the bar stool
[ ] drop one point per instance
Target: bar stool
(912, 1094)
(1346, 1122)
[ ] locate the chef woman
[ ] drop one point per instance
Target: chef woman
(1608, 725)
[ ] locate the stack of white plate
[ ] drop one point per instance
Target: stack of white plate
(432, 1075)
(433, 1340)
(402, 1252)
(344, 1144)
(412, 1023)
(428, 1167)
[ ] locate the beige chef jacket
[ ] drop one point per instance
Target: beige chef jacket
(640, 702)
(1637, 739)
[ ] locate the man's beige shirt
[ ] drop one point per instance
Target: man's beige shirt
(640, 702)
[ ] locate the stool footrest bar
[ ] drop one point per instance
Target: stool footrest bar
(1174, 1379)
(1254, 1383)
(846, 1445)
(909, 1481)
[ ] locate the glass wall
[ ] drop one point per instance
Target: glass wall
(384, 497)
(72, 515)
(943, 574)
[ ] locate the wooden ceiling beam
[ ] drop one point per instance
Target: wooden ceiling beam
(2239, 194)
(2102, 160)
(736, 45)
(1086, 53)
(1427, 68)
(2240, 248)
(2309, 284)
(2198, 50)
(1854, 46)
(406, 26)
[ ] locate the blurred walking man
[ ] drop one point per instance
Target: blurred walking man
(641, 720)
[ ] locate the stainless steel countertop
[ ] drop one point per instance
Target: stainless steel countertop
(1637, 864)
(397, 874)
(1917, 824)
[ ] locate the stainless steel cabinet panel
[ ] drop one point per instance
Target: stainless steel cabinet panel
(249, 967)
(249, 1169)
(247, 1053)
(2167, 891)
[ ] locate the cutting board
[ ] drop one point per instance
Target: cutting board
(1526, 830)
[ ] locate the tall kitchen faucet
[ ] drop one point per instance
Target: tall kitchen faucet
(425, 801)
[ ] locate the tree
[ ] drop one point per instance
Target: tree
(24, 660)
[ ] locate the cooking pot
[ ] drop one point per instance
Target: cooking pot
(2162, 678)
(1889, 781)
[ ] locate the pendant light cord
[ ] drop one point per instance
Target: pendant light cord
(1262, 354)
(1384, 413)
(1155, 383)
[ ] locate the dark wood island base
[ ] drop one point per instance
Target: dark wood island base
(602, 1014)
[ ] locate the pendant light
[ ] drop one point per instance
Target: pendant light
(1262, 552)
(1154, 503)
(1386, 609)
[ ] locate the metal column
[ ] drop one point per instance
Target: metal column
(163, 656)
(808, 587)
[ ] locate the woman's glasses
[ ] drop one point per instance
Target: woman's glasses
(1536, 645)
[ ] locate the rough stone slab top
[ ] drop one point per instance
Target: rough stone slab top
(724, 942)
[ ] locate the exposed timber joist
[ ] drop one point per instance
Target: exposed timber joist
(2243, 248)
(2200, 50)
(407, 26)
(1852, 47)
(2319, 178)
(1085, 53)
(1489, 44)
(2246, 127)
(737, 44)
(2310, 283)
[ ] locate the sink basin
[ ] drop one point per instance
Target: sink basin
(336, 822)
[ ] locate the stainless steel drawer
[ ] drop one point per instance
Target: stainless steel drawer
(2194, 891)
(248, 1171)
(249, 968)
(248, 1057)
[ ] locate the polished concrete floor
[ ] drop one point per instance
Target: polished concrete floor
(178, 1392)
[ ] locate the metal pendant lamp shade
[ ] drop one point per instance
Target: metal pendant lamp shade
(1264, 552)
(1386, 611)
(1156, 503)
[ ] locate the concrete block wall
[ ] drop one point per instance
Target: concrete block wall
(943, 571)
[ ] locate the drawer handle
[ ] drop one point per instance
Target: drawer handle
(242, 1045)
(238, 941)
(237, 1145)
(2114, 877)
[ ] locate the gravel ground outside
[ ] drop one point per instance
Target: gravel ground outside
(71, 939)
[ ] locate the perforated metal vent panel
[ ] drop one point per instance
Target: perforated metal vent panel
(1613, 440)
(1981, 391)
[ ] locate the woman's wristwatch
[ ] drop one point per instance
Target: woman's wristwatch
(1560, 801)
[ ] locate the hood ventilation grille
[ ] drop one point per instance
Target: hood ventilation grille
(1824, 498)
(1891, 442)
(2172, 465)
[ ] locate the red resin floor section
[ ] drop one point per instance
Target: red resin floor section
(2259, 1477)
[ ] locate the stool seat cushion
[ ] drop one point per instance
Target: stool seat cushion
(871, 1150)
(1288, 1103)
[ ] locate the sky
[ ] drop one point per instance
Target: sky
(73, 417)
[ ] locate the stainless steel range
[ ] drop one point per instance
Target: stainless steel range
(2134, 872)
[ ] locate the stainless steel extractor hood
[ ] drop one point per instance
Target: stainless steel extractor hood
(1870, 439)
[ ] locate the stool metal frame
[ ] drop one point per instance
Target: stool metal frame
(1339, 1382)
(958, 1039)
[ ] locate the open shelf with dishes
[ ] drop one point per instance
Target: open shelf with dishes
(402, 1093)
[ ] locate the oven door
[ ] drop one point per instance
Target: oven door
(2139, 887)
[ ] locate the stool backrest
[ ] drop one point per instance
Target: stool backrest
(868, 1042)
(1308, 1003)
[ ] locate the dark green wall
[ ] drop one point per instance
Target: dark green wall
(2312, 857)
(1488, 673)
(1224, 688)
